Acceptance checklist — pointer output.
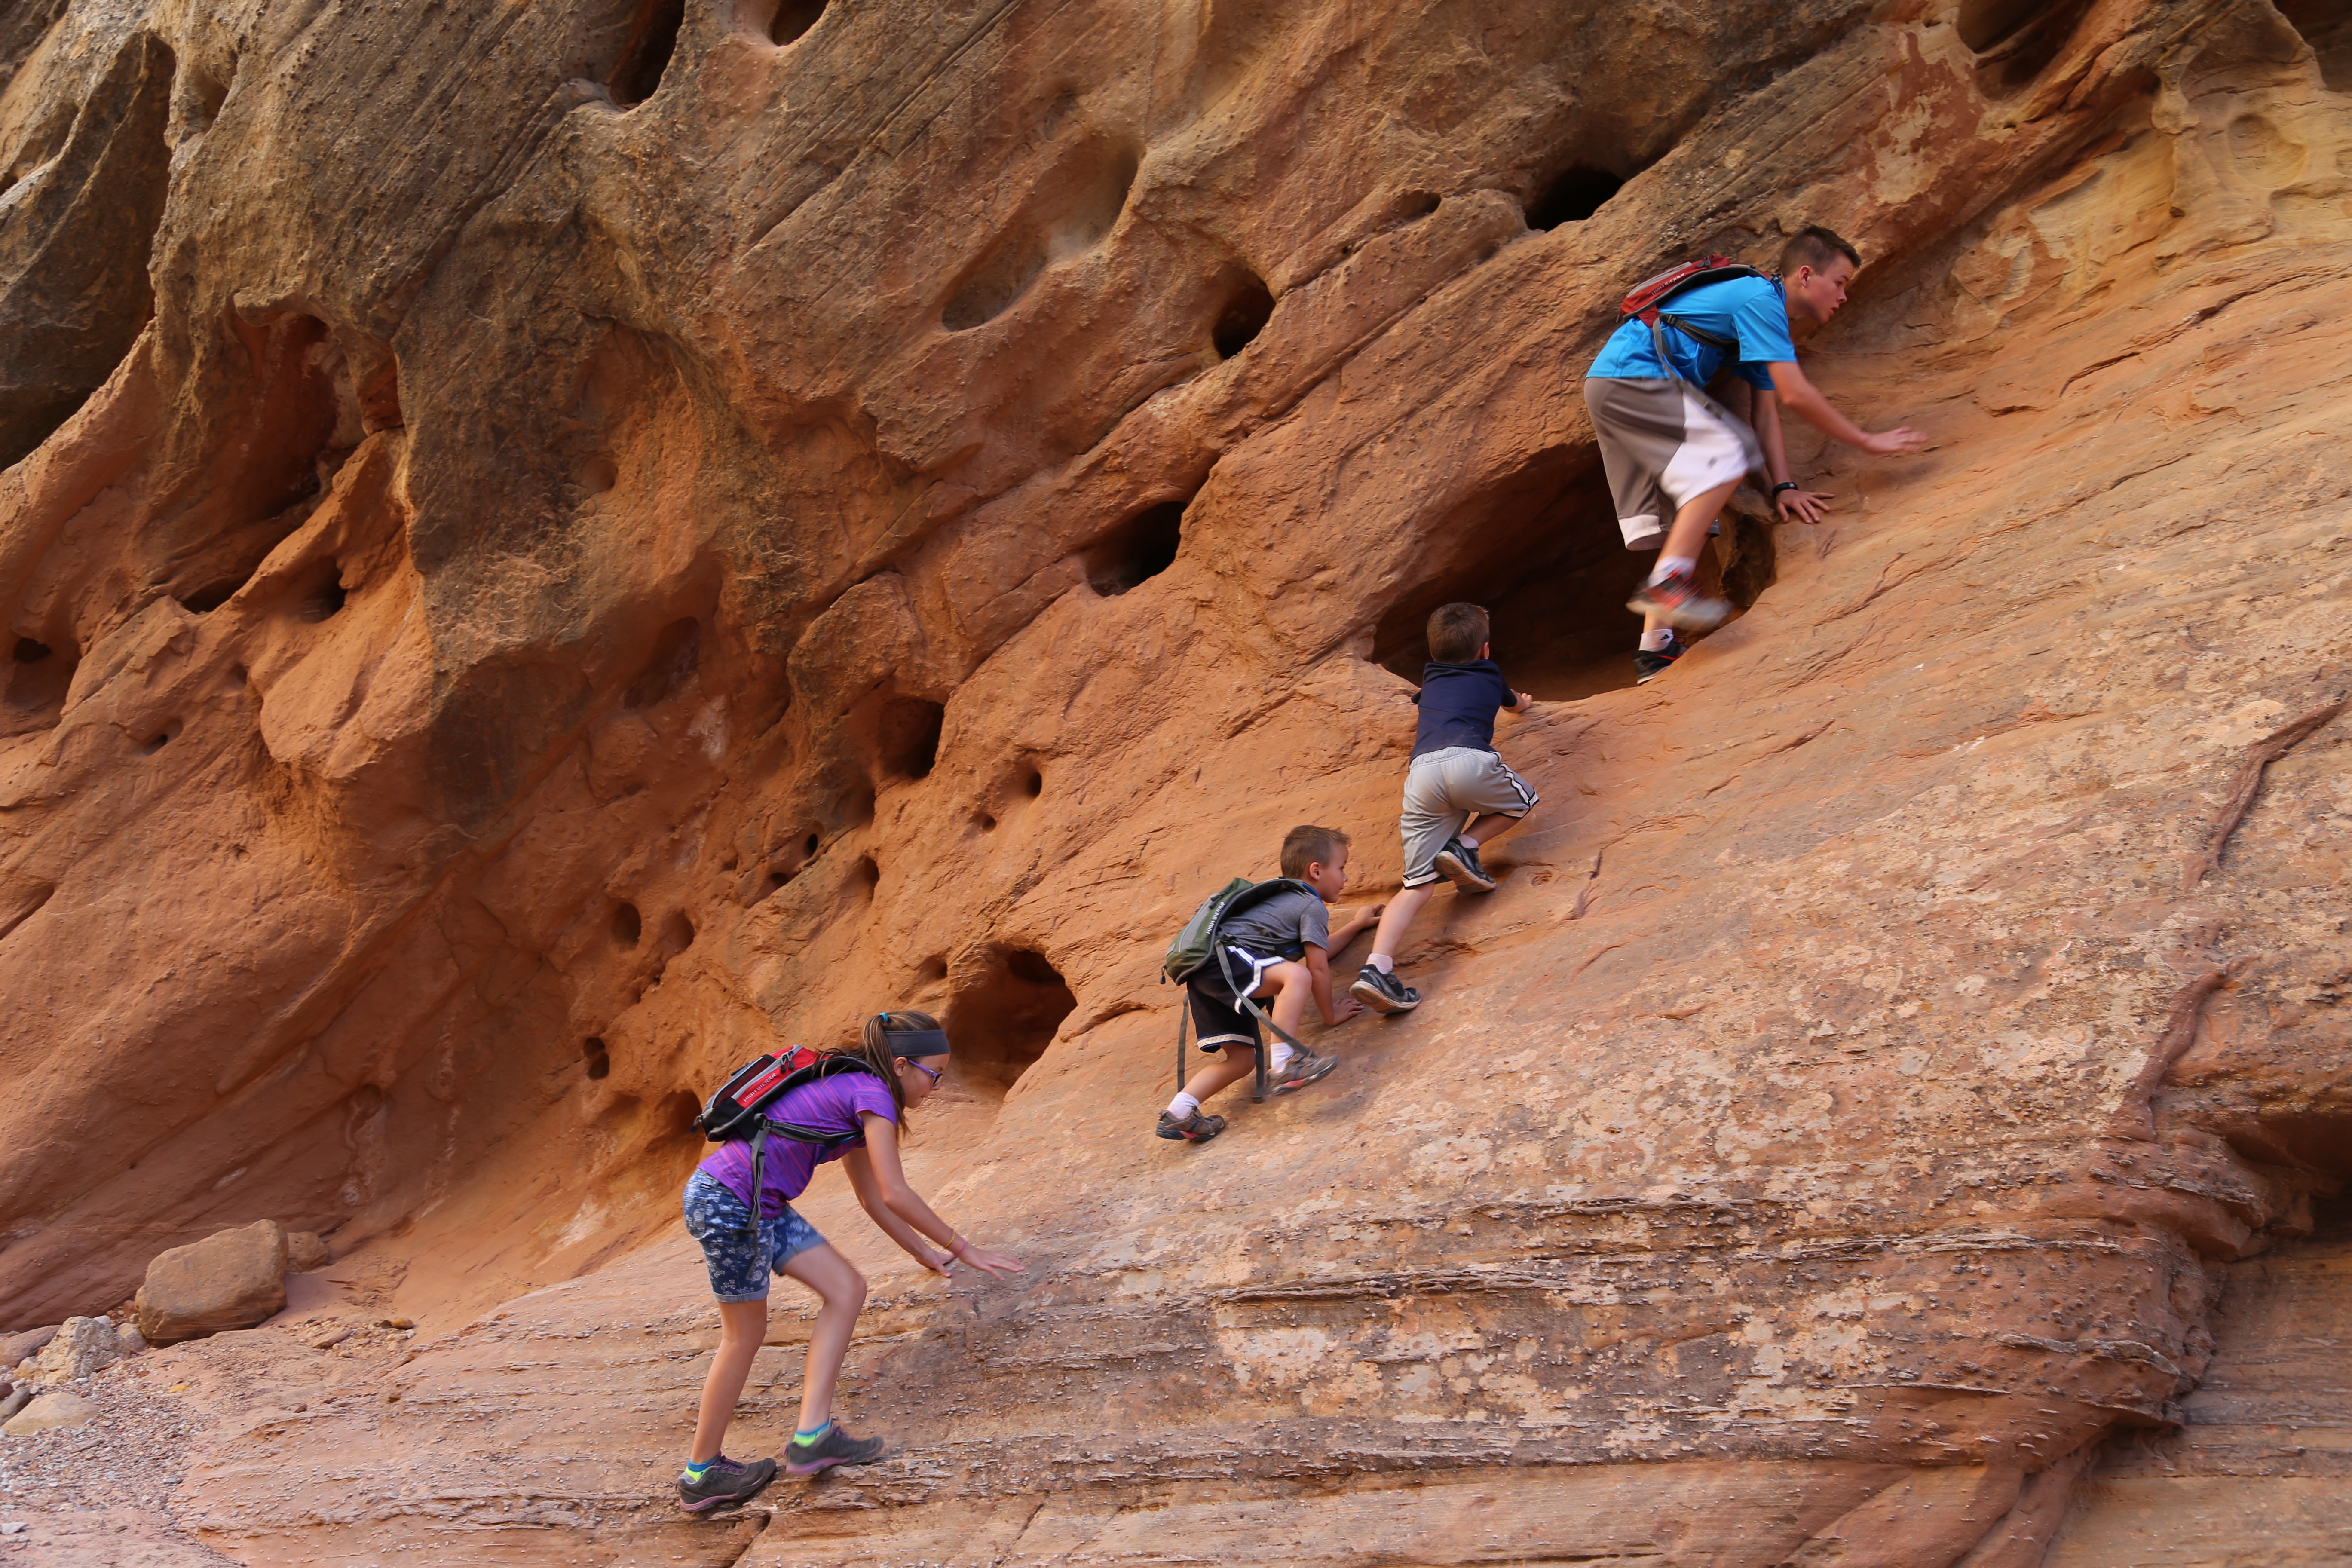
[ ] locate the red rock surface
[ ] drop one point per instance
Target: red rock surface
(593, 564)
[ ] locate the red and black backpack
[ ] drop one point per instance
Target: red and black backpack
(1643, 303)
(737, 1109)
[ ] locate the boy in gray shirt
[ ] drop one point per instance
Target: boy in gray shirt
(1278, 946)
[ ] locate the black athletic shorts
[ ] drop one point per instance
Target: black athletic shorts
(1217, 1017)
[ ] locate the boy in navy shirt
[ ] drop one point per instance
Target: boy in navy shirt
(1458, 794)
(1674, 454)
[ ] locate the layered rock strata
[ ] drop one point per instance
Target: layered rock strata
(625, 535)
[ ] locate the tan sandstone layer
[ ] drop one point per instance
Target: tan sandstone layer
(603, 553)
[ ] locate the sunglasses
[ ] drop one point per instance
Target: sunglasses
(934, 1074)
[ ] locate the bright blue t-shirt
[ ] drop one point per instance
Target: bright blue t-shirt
(1752, 309)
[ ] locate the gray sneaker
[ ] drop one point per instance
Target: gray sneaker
(1460, 861)
(1383, 993)
(724, 1483)
(1303, 1069)
(833, 1446)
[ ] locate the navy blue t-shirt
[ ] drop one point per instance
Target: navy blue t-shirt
(1458, 703)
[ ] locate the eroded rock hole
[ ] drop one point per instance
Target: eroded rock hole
(2327, 26)
(931, 971)
(867, 875)
(35, 680)
(810, 847)
(676, 933)
(676, 653)
(793, 18)
(1069, 212)
(2016, 40)
(1137, 550)
(324, 602)
(162, 738)
(1542, 550)
(1033, 783)
(652, 40)
(628, 926)
(907, 738)
(1004, 1013)
(595, 1062)
(1245, 314)
(204, 601)
(1572, 195)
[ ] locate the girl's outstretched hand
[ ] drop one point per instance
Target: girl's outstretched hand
(999, 1264)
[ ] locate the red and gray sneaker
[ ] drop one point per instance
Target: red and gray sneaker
(722, 1483)
(1677, 601)
(1303, 1068)
(1197, 1127)
(806, 1457)
(1651, 663)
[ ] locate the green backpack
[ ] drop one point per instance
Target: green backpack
(1196, 944)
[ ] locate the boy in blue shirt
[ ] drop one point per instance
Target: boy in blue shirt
(1675, 456)
(1458, 794)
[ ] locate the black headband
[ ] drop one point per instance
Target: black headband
(916, 1042)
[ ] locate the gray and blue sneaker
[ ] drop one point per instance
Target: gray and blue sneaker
(829, 1448)
(723, 1482)
(1459, 861)
(1383, 993)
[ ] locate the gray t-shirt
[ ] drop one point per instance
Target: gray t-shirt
(1280, 925)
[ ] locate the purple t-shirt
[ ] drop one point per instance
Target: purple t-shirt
(830, 1106)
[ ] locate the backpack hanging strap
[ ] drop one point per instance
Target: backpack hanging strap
(759, 1163)
(1184, 1017)
(1257, 1089)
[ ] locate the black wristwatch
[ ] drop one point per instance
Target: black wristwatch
(1785, 485)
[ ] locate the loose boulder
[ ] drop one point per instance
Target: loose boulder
(53, 1412)
(82, 1346)
(15, 1348)
(306, 1251)
(233, 1280)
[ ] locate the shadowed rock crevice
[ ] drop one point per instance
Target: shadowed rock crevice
(652, 39)
(1571, 195)
(1542, 550)
(74, 248)
(1007, 1003)
(1138, 550)
(793, 18)
(1248, 306)
(33, 687)
(2327, 26)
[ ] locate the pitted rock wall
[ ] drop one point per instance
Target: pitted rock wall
(601, 555)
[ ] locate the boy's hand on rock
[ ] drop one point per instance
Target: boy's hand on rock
(1894, 443)
(1527, 701)
(1804, 506)
(1342, 1010)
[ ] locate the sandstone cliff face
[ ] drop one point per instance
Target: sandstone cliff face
(603, 537)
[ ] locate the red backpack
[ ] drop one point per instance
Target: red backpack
(1643, 304)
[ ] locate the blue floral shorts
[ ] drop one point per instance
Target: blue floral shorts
(739, 1266)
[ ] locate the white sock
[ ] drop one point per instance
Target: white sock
(1670, 564)
(1281, 1055)
(1384, 963)
(1182, 1107)
(1656, 640)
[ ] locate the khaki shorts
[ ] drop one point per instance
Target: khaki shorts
(1443, 791)
(1664, 445)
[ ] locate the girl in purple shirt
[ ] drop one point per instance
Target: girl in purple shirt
(905, 1055)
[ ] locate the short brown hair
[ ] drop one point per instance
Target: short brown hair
(1816, 247)
(1457, 633)
(1308, 845)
